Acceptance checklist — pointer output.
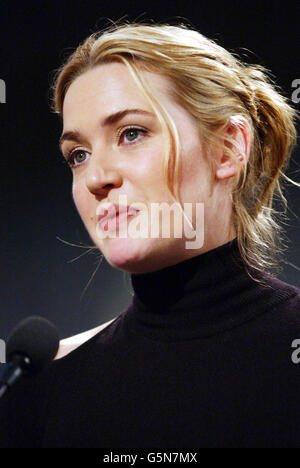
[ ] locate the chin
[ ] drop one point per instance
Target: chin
(130, 255)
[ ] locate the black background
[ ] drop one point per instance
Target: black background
(37, 274)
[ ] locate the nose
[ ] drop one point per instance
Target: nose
(102, 176)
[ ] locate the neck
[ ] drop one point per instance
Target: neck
(197, 296)
(173, 282)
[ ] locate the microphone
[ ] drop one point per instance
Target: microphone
(31, 346)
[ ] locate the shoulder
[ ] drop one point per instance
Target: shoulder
(281, 292)
(69, 344)
(280, 304)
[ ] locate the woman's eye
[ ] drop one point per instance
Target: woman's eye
(76, 157)
(131, 134)
(128, 136)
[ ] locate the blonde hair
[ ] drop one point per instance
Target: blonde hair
(216, 87)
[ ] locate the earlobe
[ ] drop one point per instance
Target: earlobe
(225, 172)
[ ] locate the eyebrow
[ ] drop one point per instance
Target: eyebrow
(75, 135)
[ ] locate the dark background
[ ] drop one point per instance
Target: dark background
(38, 275)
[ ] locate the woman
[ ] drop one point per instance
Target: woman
(155, 115)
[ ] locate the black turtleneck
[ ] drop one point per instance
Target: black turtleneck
(203, 357)
(202, 296)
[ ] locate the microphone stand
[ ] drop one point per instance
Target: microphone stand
(13, 370)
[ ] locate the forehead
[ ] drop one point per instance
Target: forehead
(108, 87)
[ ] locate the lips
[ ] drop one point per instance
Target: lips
(109, 211)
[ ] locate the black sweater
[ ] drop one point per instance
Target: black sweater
(201, 358)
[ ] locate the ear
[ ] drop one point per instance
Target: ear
(240, 132)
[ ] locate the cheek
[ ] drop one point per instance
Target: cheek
(80, 200)
(195, 178)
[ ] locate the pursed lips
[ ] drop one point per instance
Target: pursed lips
(109, 211)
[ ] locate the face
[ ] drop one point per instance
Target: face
(119, 154)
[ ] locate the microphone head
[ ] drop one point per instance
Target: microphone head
(36, 338)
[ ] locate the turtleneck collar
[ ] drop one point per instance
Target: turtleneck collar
(199, 296)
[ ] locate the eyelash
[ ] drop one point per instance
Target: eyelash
(71, 155)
